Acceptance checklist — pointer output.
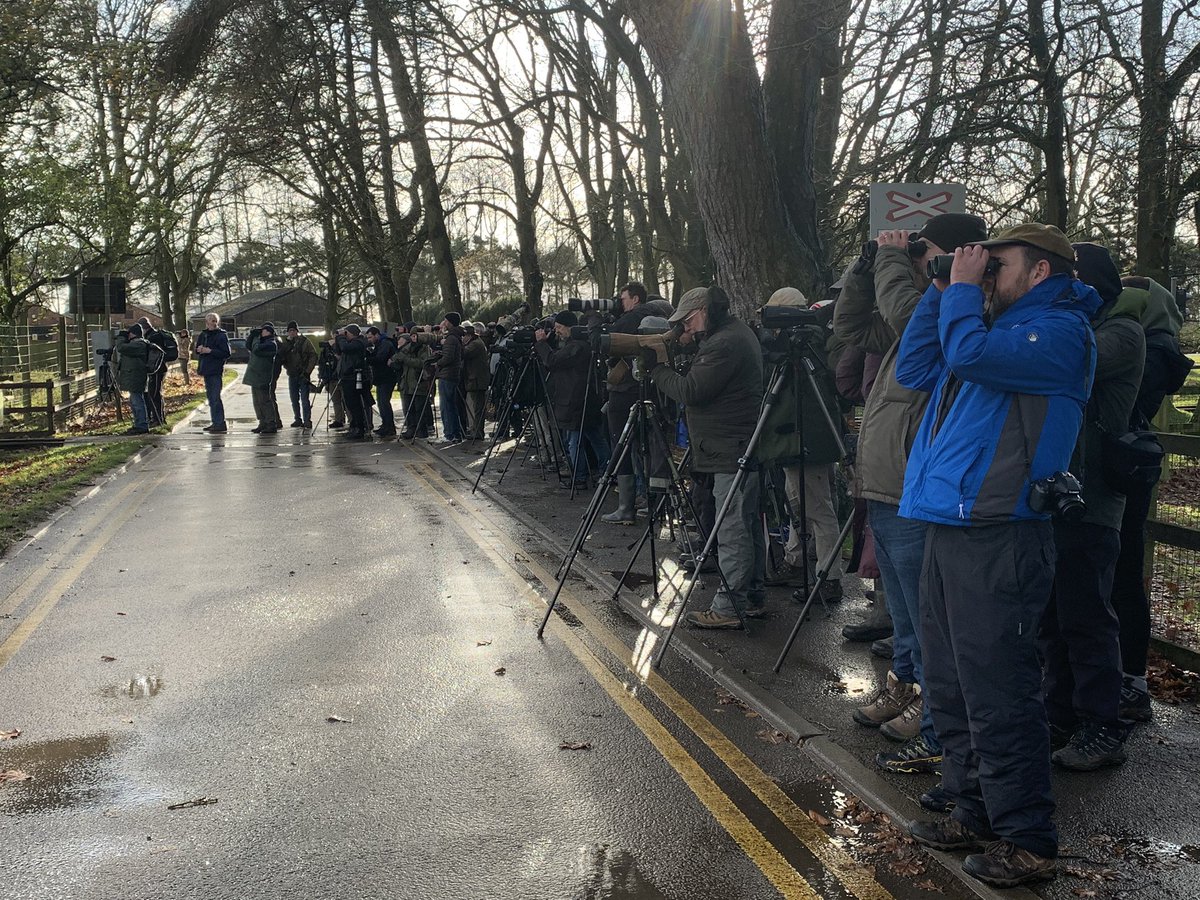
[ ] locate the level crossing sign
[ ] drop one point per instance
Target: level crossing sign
(910, 206)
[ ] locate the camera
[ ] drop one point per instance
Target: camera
(939, 267)
(602, 305)
(426, 337)
(1060, 495)
(916, 249)
(788, 316)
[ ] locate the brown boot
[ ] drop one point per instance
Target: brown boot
(887, 704)
(1004, 864)
(907, 725)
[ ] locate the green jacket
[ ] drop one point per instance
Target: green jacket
(477, 370)
(260, 371)
(722, 391)
(871, 314)
(410, 361)
(298, 356)
(131, 359)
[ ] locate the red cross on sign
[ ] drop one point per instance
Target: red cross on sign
(905, 207)
(910, 206)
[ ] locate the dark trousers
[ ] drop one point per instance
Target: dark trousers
(383, 399)
(984, 590)
(154, 398)
(619, 404)
(352, 397)
(301, 402)
(212, 390)
(418, 414)
(1080, 634)
(1129, 599)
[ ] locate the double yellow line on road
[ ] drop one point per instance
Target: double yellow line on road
(856, 879)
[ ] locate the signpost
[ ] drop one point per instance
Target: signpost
(908, 207)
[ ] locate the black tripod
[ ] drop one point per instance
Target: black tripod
(589, 388)
(504, 421)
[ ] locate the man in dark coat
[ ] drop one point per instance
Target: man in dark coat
(298, 358)
(260, 376)
(379, 353)
(476, 377)
(131, 352)
(448, 364)
(622, 394)
(352, 365)
(570, 370)
(212, 349)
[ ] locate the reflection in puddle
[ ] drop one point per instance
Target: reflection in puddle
(69, 772)
(611, 874)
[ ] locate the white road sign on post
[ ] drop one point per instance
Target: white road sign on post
(910, 206)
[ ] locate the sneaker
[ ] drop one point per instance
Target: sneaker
(882, 649)
(1092, 747)
(949, 834)
(1004, 864)
(1135, 702)
(915, 758)
(907, 725)
(710, 619)
(889, 701)
(937, 799)
(867, 631)
(217, 429)
(297, 424)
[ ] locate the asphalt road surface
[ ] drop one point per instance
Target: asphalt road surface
(325, 655)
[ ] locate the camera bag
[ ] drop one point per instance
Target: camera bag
(1131, 460)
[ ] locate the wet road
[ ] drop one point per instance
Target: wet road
(336, 645)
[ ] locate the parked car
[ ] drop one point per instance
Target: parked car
(237, 351)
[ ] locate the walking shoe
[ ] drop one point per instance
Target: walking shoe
(915, 758)
(949, 834)
(756, 612)
(256, 430)
(867, 631)
(786, 575)
(882, 649)
(828, 592)
(297, 424)
(136, 431)
(687, 562)
(338, 424)
(710, 619)
(217, 429)
(907, 725)
(1092, 747)
(1135, 702)
(1004, 864)
(889, 702)
(937, 799)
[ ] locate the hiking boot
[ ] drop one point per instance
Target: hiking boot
(1135, 702)
(828, 592)
(889, 702)
(915, 758)
(907, 725)
(937, 799)
(136, 431)
(882, 649)
(1093, 746)
(786, 575)
(337, 424)
(687, 562)
(949, 834)
(217, 429)
(710, 619)
(756, 612)
(297, 424)
(1004, 864)
(867, 631)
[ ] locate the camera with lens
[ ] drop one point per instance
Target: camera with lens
(788, 316)
(1060, 495)
(916, 249)
(599, 304)
(939, 267)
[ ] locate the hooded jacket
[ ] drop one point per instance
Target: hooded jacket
(260, 371)
(1006, 402)
(449, 360)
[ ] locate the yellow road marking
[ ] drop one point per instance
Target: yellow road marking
(29, 586)
(853, 875)
(59, 588)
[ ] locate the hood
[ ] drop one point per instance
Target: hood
(1094, 265)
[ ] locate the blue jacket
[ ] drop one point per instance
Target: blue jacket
(212, 363)
(1007, 401)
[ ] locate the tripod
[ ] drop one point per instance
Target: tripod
(589, 388)
(510, 403)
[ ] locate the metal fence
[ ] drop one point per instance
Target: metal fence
(47, 377)
(1173, 543)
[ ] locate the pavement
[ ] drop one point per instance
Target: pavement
(295, 666)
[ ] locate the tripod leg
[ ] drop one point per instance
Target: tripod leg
(636, 553)
(822, 574)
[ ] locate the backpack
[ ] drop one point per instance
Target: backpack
(156, 358)
(170, 346)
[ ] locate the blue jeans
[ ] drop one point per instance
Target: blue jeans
(301, 402)
(212, 389)
(448, 403)
(900, 551)
(137, 405)
(597, 437)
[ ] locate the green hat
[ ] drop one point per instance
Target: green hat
(1032, 234)
(696, 298)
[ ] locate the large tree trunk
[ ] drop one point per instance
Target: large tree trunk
(1052, 143)
(1155, 216)
(714, 96)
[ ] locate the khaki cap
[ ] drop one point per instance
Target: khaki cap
(1032, 234)
(696, 298)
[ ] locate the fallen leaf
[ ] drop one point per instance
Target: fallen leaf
(199, 801)
(108, 659)
(771, 736)
(575, 745)
(14, 775)
(483, 643)
(928, 885)
(750, 714)
(500, 671)
(127, 721)
(843, 831)
(338, 719)
(1084, 892)
(120, 614)
(10, 735)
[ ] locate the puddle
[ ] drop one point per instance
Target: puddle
(611, 874)
(67, 773)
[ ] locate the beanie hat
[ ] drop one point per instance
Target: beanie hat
(267, 326)
(566, 317)
(353, 329)
(1095, 267)
(952, 230)
(292, 326)
(453, 318)
(135, 330)
(373, 330)
(409, 326)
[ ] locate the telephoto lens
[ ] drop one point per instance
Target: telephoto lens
(600, 304)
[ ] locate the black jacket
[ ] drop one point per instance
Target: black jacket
(353, 351)
(379, 356)
(568, 383)
(723, 391)
(449, 361)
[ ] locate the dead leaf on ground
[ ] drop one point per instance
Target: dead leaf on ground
(1084, 892)
(483, 643)
(199, 801)
(14, 775)
(843, 831)
(120, 614)
(500, 671)
(819, 819)
(10, 735)
(108, 659)
(338, 719)
(575, 745)
(928, 885)
(771, 736)
(750, 714)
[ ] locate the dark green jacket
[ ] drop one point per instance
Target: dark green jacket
(131, 364)
(722, 391)
(409, 361)
(298, 356)
(260, 371)
(871, 314)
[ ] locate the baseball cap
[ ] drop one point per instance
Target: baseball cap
(696, 298)
(1034, 234)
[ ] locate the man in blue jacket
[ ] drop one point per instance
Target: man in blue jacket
(1006, 406)
(212, 349)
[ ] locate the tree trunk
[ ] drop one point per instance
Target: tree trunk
(1053, 137)
(1155, 219)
